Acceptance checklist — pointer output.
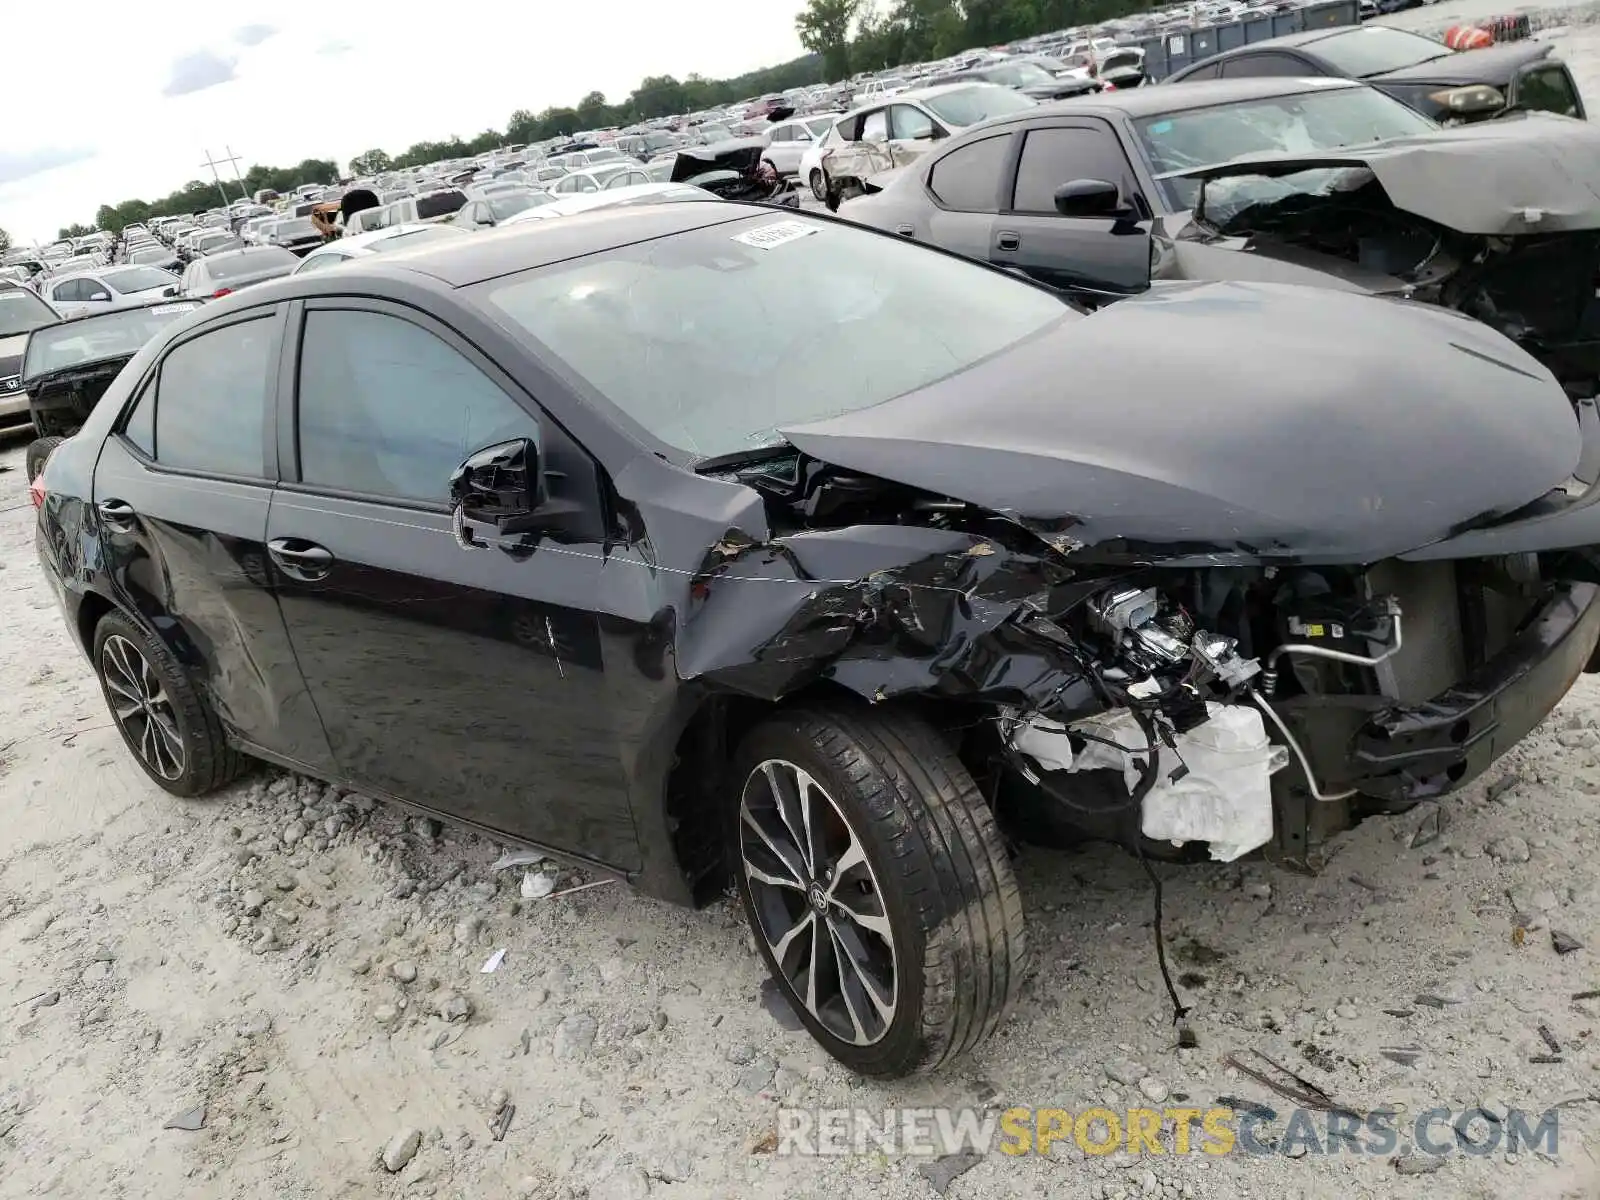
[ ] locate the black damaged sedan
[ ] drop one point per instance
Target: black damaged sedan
(705, 542)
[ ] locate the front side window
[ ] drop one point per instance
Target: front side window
(648, 327)
(387, 408)
(1052, 157)
(1547, 89)
(211, 399)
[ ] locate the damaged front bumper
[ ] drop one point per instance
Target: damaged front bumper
(1402, 754)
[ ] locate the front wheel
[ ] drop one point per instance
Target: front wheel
(877, 886)
(164, 721)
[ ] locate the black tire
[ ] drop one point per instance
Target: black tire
(819, 185)
(39, 450)
(207, 760)
(832, 199)
(935, 877)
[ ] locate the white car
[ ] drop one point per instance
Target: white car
(810, 169)
(361, 245)
(642, 193)
(108, 288)
(593, 179)
(788, 141)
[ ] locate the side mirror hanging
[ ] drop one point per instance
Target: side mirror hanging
(501, 485)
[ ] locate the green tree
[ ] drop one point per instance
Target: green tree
(74, 231)
(373, 162)
(657, 96)
(5, 241)
(824, 28)
(593, 111)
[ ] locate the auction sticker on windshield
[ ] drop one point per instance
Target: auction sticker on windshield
(769, 237)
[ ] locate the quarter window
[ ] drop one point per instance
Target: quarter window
(211, 401)
(388, 409)
(141, 426)
(968, 178)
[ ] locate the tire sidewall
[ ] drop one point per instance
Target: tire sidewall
(785, 738)
(819, 185)
(38, 454)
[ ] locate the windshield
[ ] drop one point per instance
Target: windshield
(1299, 124)
(22, 312)
(514, 202)
(138, 279)
(1018, 74)
(604, 156)
(108, 335)
(968, 106)
(650, 326)
(293, 227)
(1376, 49)
(715, 133)
(234, 263)
(153, 255)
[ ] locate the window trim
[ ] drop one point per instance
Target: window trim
(288, 408)
(151, 381)
(1008, 171)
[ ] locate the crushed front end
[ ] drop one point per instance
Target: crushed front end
(1182, 710)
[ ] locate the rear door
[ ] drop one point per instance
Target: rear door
(965, 186)
(181, 494)
(1098, 254)
(468, 680)
(911, 133)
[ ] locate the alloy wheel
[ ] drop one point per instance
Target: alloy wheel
(819, 186)
(140, 705)
(817, 902)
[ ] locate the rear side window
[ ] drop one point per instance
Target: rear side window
(211, 401)
(388, 409)
(1268, 62)
(1206, 72)
(1548, 89)
(968, 178)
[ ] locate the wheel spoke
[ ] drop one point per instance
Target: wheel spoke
(121, 689)
(853, 856)
(783, 945)
(787, 856)
(851, 996)
(880, 995)
(138, 700)
(771, 880)
(874, 923)
(788, 795)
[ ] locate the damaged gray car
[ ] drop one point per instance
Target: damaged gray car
(704, 544)
(1319, 182)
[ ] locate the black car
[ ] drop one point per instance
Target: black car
(1255, 179)
(1029, 78)
(1445, 84)
(570, 533)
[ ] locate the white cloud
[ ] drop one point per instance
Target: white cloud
(197, 71)
(327, 82)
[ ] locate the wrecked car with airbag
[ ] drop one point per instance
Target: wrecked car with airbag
(769, 549)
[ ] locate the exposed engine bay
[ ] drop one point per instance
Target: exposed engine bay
(1182, 711)
(1537, 288)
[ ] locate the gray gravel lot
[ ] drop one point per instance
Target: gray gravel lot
(292, 977)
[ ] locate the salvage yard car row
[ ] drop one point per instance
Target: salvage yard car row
(562, 526)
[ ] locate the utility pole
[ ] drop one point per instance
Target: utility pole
(214, 164)
(234, 159)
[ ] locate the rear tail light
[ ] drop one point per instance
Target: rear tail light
(36, 491)
(221, 292)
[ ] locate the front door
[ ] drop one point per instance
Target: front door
(1096, 254)
(468, 680)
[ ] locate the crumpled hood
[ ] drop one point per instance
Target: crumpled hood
(1520, 175)
(1150, 427)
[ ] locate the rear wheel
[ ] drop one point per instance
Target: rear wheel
(164, 721)
(819, 185)
(877, 886)
(39, 451)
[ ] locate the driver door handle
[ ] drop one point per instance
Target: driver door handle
(300, 559)
(118, 514)
(1006, 240)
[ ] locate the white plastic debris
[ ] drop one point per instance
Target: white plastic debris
(536, 885)
(493, 963)
(1224, 798)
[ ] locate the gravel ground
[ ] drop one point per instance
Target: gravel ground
(298, 973)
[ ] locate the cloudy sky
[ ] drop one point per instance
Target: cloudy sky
(143, 94)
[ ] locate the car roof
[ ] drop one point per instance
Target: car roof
(512, 248)
(1181, 97)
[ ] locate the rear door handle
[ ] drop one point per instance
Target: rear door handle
(1008, 241)
(118, 514)
(300, 559)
